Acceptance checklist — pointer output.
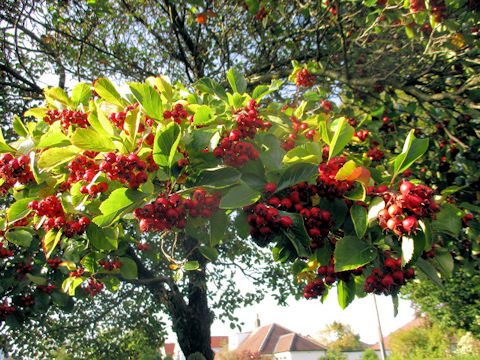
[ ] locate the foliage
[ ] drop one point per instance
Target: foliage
(339, 337)
(333, 355)
(454, 306)
(369, 354)
(468, 345)
(428, 341)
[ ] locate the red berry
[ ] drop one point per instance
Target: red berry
(270, 188)
(286, 221)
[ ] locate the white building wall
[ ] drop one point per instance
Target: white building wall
(300, 355)
(353, 355)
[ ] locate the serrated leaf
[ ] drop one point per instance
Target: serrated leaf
(345, 292)
(295, 174)
(352, 252)
(218, 177)
(56, 156)
(19, 209)
(204, 115)
(237, 81)
(128, 270)
(448, 220)
(429, 271)
(165, 145)
(19, 127)
(309, 152)
(102, 238)
(81, 93)
(107, 91)
(443, 262)
(19, 237)
(191, 265)
(359, 218)
(218, 227)
(50, 241)
(238, 196)
(343, 134)
(38, 113)
(412, 150)
(89, 139)
(70, 284)
(376, 205)
(118, 202)
(54, 137)
(211, 87)
(59, 95)
(210, 253)
(37, 280)
(150, 100)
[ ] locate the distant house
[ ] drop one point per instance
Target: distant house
(275, 341)
(386, 340)
(216, 342)
(356, 354)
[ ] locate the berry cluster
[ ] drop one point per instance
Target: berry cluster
(375, 154)
(142, 247)
(417, 5)
(266, 220)
(318, 224)
(54, 263)
(389, 279)
(403, 210)
(110, 265)
(465, 222)
(387, 126)
(118, 119)
(26, 301)
(327, 185)
(361, 134)
(5, 253)
(126, 169)
(235, 153)
(439, 9)
(13, 170)
(314, 289)
(23, 268)
(327, 106)
(261, 14)
(67, 117)
(77, 273)
(304, 78)
(5, 310)
(178, 113)
(168, 212)
(94, 287)
(48, 289)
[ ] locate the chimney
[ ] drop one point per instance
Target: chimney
(257, 322)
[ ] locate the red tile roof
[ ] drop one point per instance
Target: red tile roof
(386, 340)
(274, 338)
(218, 341)
(169, 348)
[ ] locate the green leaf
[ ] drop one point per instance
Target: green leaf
(260, 91)
(107, 91)
(412, 150)
(102, 238)
(165, 145)
(238, 196)
(376, 205)
(191, 265)
(345, 292)
(218, 177)
(128, 270)
(359, 218)
(408, 248)
(209, 253)
(271, 152)
(89, 139)
(204, 115)
(218, 227)
(71, 283)
(50, 241)
(310, 152)
(56, 156)
(211, 87)
(297, 173)
(19, 127)
(164, 87)
(237, 81)
(297, 234)
(352, 252)
(19, 237)
(429, 271)
(119, 201)
(100, 122)
(150, 100)
(54, 137)
(448, 220)
(59, 95)
(342, 136)
(81, 93)
(111, 282)
(358, 193)
(37, 280)
(426, 227)
(38, 113)
(90, 262)
(443, 262)
(18, 210)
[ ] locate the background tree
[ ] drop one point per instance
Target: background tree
(369, 354)
(339, 337)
